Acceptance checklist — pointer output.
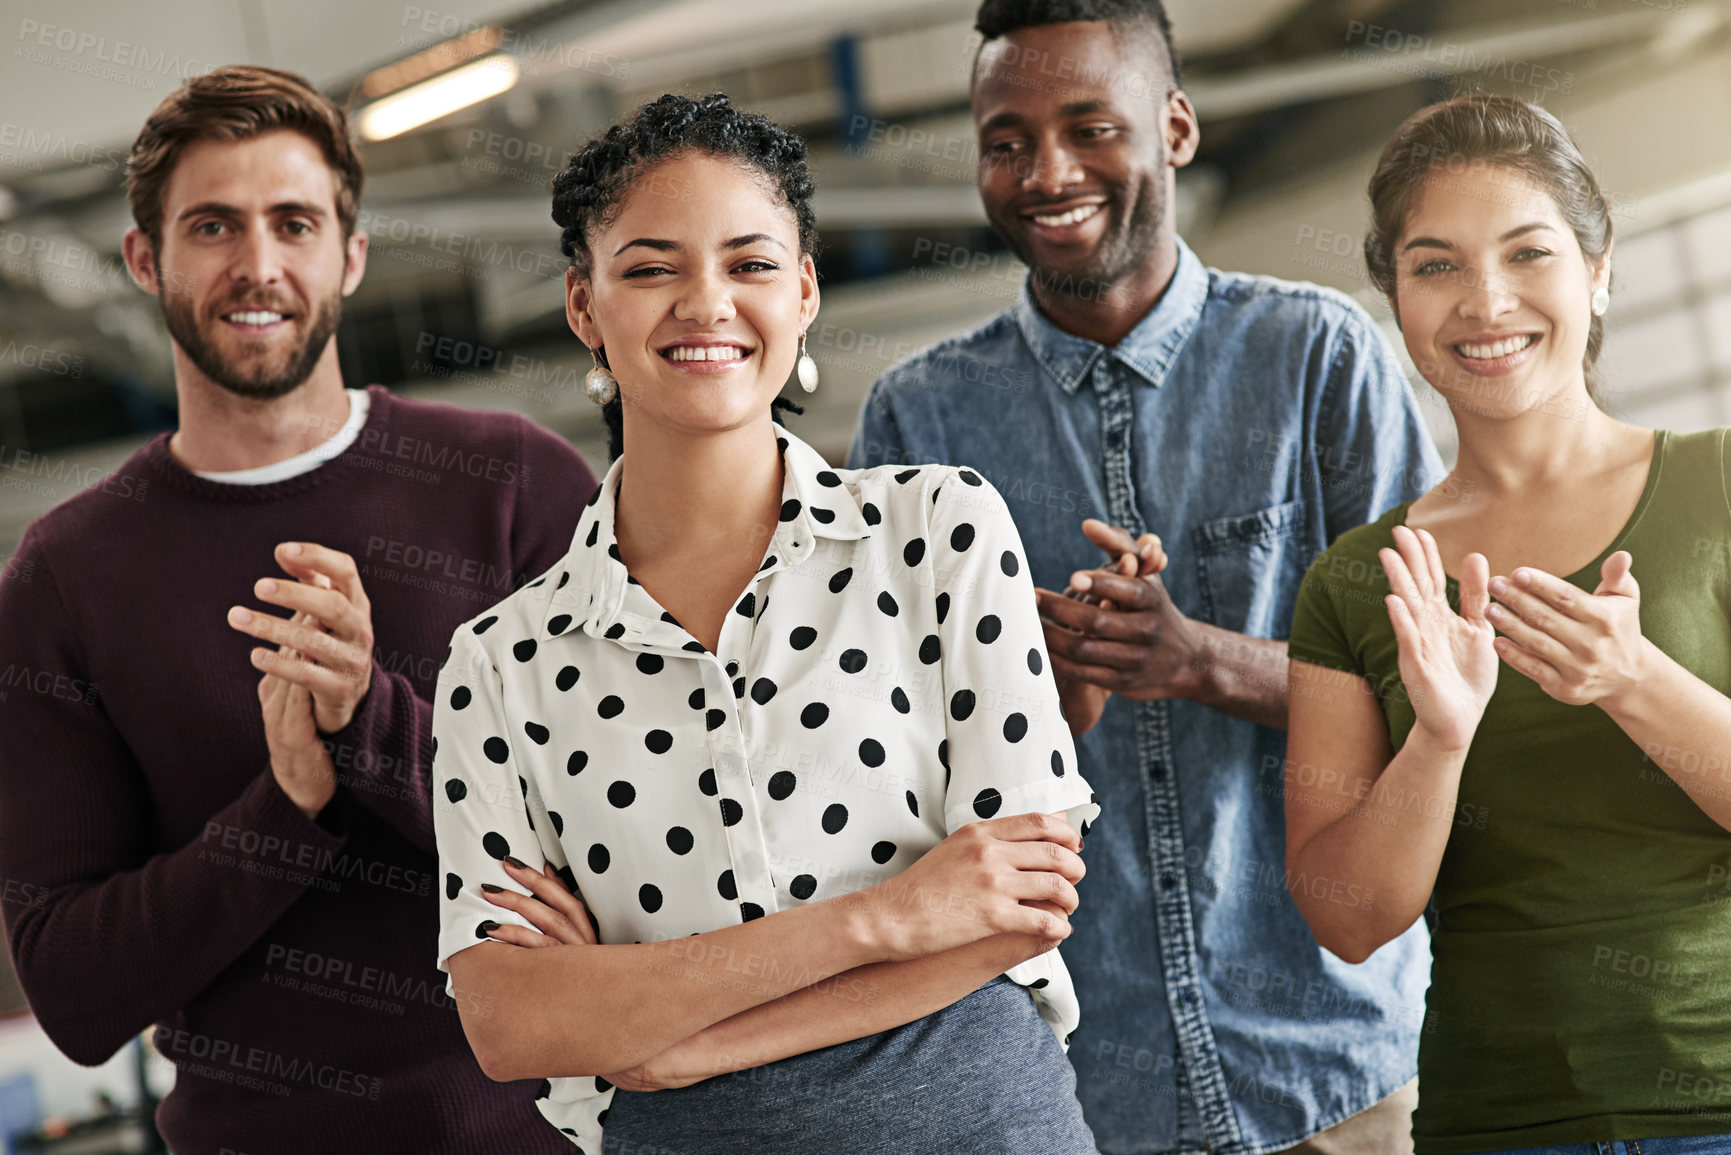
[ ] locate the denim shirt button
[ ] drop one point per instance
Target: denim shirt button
(1115, 438)
(1168, 880)
(1188, 994)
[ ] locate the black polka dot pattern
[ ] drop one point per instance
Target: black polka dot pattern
(879, 681)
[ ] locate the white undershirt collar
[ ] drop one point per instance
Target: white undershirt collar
(359, 401)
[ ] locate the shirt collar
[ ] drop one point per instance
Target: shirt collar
(1149, 348)
(592, 586)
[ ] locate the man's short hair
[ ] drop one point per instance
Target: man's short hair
(234, 104)
(997, 17)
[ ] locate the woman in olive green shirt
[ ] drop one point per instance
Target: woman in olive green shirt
(1544, 755)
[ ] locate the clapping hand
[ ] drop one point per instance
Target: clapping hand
(325, 646)
(1069, 629)
(1580, 648)
(1447, 660)
(298, 759)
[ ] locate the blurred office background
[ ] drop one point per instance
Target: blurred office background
(470, 107)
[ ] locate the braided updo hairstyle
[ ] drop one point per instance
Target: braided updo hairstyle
(592, 186)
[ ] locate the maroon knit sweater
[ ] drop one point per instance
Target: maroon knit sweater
(152, 871)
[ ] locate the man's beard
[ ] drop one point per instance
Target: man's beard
(1124, 248)
(178, 313)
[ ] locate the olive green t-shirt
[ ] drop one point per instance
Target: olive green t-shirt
(1581, 975)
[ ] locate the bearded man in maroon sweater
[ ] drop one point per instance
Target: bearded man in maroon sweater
(215, 775)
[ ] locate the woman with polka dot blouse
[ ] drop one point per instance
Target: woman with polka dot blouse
(757, 816)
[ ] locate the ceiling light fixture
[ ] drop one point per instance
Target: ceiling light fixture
(442, 95)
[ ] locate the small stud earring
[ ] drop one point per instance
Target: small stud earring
(807, 368)
(1601, 301)
(598, 383)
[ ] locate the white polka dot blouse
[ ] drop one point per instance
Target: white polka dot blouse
(881, 682)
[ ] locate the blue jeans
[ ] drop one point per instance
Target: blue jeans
(1678, 1145)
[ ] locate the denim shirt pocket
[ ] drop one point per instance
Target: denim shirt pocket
(1249, 567)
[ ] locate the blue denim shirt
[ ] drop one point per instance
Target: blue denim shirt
(1248, 422)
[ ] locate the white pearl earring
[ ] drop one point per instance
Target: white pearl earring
(598, 383)
(807, 368)
(1601, 301)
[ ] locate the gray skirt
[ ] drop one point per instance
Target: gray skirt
(983, 1076)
